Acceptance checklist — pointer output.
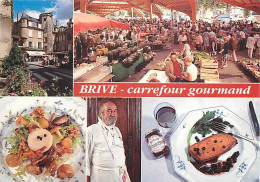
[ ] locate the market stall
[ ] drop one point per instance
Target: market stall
(252, 66)
(92, 72)
(85, 22)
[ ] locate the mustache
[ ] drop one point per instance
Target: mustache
(112, 118)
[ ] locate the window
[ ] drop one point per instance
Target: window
(39, 25)
(30, 33)
(44, 19)
(29, 23)
(39, 45)
(45, 48)
(30, 44)
(45, 39)
(39, 35)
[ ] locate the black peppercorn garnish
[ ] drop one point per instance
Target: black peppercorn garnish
(224, 146)
(39, 138)
(197, 139)
(203, 148)
(215, 141)
(45, 135)
(213, 149)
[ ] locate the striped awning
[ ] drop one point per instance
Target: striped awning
(36, 53)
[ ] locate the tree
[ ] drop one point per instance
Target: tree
(247, 13)
(13, 61)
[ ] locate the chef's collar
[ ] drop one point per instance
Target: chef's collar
(109, 128)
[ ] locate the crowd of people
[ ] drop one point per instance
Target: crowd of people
(218, 39)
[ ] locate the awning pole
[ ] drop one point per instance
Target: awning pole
(151, 11)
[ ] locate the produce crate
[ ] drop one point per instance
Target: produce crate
(206, 74)
(207, 63)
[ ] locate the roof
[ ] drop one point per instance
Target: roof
(253, 5)
(25, 16)
(106, 7)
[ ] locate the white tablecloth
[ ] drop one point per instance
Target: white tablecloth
(161, 170)
(161, 76)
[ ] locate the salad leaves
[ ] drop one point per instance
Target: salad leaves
(15, 140)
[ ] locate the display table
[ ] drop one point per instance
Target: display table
(161, 76)
(121, 72)
(85, 68)
(96, 75)
(253, 69)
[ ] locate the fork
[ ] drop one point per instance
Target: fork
(226, 129)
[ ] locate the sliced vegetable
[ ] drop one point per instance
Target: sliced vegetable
(66, 142)
(43, 122)
(13, 160)
(21, 120)
(51, 118)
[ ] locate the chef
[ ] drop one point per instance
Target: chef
(106, 154)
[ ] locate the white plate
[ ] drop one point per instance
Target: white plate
(178, 147)
(11, 107)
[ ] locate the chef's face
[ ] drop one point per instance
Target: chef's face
(109, 114)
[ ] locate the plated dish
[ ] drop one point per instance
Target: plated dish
(208, 154)
(43, 140)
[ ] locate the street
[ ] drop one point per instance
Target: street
(47, 74)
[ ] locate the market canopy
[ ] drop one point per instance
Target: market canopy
(253, 5)
(36, 53)
(84, 22)
(106, 7)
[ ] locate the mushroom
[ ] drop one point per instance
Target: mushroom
(60, 120)
(56, 130)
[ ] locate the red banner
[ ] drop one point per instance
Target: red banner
(165, 90)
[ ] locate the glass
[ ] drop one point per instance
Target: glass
(165, 114)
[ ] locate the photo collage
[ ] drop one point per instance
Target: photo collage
(129, 91)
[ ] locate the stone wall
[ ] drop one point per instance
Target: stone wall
(5, 30)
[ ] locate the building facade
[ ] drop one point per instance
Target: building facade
(6, 24)
(29, 32)
(41, 35)
(63, 41)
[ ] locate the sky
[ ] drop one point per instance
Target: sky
(62, 9)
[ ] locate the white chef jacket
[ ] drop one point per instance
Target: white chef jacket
(106, 154)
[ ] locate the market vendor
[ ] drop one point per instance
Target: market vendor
(191, 72)
(173, 69)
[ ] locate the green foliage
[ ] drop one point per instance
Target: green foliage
(19, 81)
(14, 61)
(19, 84)
(15, 142)
(247, 13)
(210, 4)
(55, 89)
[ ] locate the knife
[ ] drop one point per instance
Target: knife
(254, 118)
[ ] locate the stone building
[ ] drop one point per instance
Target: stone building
(46, 20)
(63, 41)
(6, 23)
(41, 35)
(29, 32)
